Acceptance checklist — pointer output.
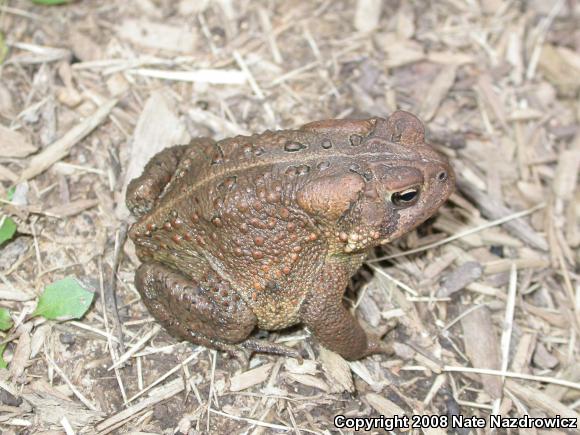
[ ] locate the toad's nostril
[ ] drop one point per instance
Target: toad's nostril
(442, 176)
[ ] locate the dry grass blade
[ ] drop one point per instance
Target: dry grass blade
(216, 76)
(508, 322)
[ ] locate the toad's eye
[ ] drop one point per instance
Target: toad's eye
(405, 198)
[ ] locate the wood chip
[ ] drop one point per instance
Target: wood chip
(384, 406)
(14, 144)
(485, 87)
(6, 101)
(337, 370)
(248, 379)
(503, 265)
(150, 34)
(459, 278)
(482, 347)
(437, 92)
(450, 58)
(85, 48)
(367, 15)
(544, 359)
(405, 21)
(436, 267)
(566, 179)
(308, 367)
(37, 54)
(571, 373)
(399, 52)
(22, 352)
(309, 380)
(523, 353)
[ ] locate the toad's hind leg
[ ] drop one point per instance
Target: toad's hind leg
(208, 313)
(143, 191)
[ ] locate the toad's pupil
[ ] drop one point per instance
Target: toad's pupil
(404, 197)
(408, 196)
(442, 176)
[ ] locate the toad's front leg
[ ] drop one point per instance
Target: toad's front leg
(326, 316)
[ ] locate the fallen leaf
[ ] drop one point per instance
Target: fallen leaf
(64, 300)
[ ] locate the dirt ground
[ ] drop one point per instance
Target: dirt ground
(486, 293)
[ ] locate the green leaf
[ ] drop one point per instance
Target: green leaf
(3, 364)
(51, 2)
(64, 300)
(11, 191)
(5, 319)
(7, 229)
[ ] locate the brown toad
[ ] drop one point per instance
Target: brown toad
(266, 230)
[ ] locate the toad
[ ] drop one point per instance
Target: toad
(266, 230)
